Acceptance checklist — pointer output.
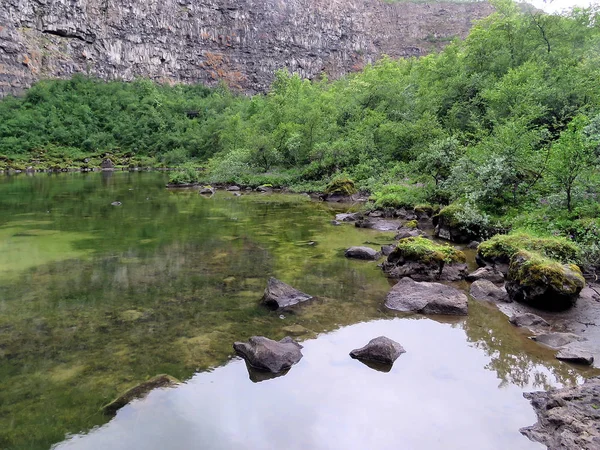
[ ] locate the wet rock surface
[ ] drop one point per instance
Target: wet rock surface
(568, 418)
(528, 320)
(575, 355)
(426, 298)
(556, 340)
(486, 273)
(381, 350)
(366, 253)
(425, 272)
(486, 290)
(268, 355)
(281, 295)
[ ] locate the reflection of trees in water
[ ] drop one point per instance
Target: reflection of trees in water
(515, 358)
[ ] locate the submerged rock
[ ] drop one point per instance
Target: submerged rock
(556, 340)
(139, 391)
(281, 295)
(543, 283)
(269, 355)
(362, 253)
(381, 350)
(377, 224)
(486, 273)
(576, 355)
(486, 290)
(116, 204)
(426, 298)
(527, 320)
(568, 418)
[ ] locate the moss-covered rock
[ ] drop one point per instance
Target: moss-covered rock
(542, 282)
(502, 247)
(424, 211)
(423, 259)
(341, 186)
(412, 224)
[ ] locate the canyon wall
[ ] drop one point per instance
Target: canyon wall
(240, 42)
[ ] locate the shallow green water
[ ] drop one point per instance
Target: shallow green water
(95, 298)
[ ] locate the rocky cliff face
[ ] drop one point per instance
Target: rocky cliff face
(239, 41)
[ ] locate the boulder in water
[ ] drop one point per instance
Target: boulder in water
(568, 418)
(266, 354)
(486, 290)
(362, 253)
(381, 350)
(426, 298)
(575, 355)
(528, 320)
(281, 295)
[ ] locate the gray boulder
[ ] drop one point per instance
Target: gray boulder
(266, 354)
(426, 298)
(575, 355)
(486, 273)
(380, 350)
(528, 320)
(362, 253)
(486, 290)
(556, 340)
(281, 295)
(568, 418)
(233, 188)
(386, 250)
(405, 232)
(348, 217)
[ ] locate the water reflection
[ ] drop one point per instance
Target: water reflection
(437, 395)
(96, 298)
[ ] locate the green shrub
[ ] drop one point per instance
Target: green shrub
(465, 217)
(400, 196)
(186, 175)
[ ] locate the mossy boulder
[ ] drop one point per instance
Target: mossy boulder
(542, 282)
(424, 260)
(424, 211)
(502, 247)
(341, 187)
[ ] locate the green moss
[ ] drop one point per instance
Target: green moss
(503, 247)
(449, 214)
(342, 186)
(411, 224)
(533, 269)
(427, 252)
(424, 209)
